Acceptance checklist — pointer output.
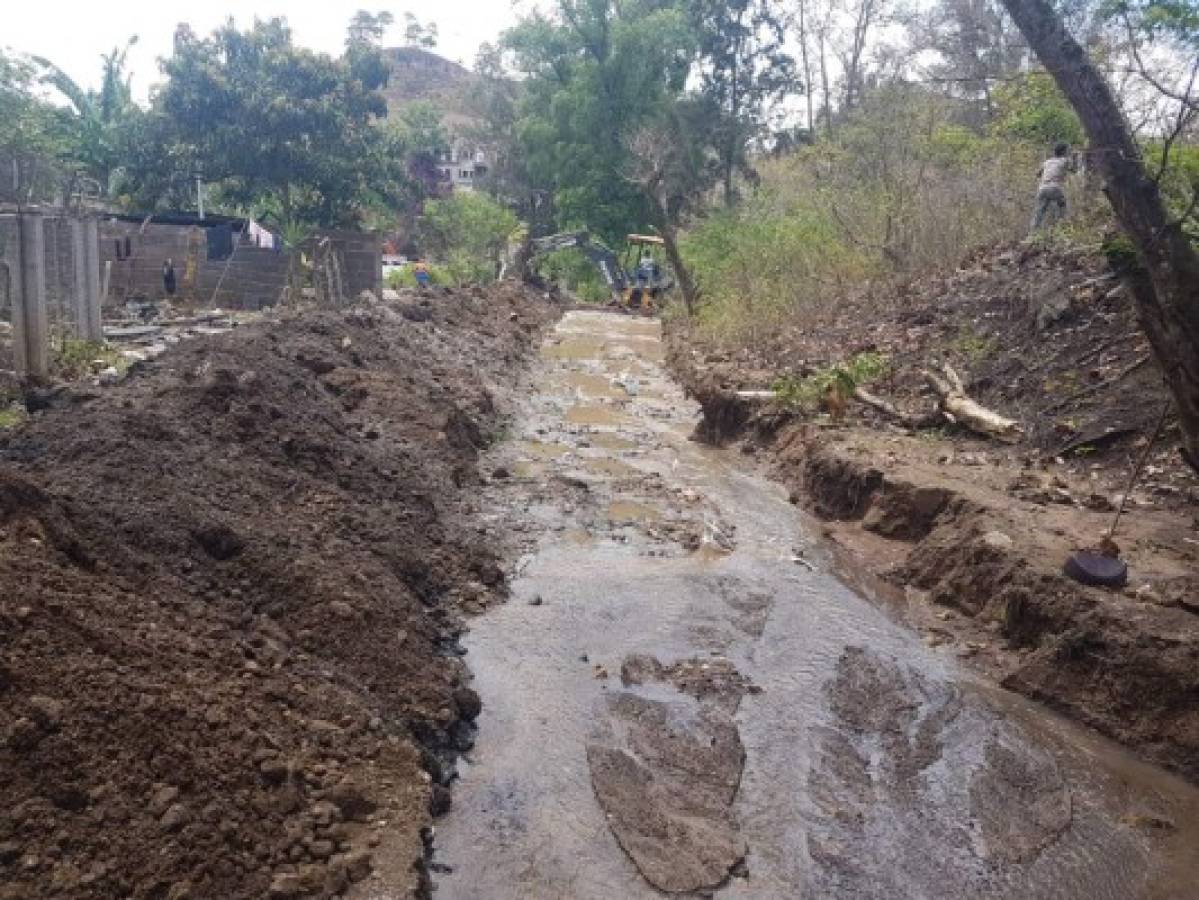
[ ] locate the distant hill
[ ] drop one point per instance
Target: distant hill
(418, 74)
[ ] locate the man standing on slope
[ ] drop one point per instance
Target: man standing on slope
(1051, 190)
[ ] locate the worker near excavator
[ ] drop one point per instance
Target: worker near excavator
(647, 271)
(420, 271)
(1051, 187)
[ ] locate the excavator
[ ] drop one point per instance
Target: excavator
(637, 283)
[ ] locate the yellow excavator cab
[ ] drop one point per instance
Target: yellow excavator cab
(646, 282)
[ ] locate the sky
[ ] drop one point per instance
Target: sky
(73, 33)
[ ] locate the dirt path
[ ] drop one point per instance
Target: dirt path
(680, 697)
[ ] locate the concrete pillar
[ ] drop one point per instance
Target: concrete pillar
(79, 283)
(11, 273)
(31, 333)
(94, 329)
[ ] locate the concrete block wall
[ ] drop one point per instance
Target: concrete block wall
(362, 259)
(251, 279)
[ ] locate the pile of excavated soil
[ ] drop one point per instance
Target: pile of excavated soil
(228, 585)
(973, 533)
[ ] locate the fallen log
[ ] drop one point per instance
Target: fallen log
(958, 407)
(890, 410)
(760, 396)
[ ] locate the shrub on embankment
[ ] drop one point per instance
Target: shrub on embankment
(902, 186)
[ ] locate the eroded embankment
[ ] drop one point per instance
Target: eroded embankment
(227, 618)
(976, 545)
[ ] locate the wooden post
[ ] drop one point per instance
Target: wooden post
(30, 325)
(94, 330)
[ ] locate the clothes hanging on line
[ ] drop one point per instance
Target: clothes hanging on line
(260, 237)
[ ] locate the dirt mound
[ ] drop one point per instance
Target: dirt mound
(227, 626)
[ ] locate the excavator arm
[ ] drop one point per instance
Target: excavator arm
(601, 257)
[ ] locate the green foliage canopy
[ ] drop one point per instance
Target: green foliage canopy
(595, 71)
(1032, 108)
(469, 232)
(272, 120)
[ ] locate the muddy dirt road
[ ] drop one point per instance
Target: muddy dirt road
(680, 696)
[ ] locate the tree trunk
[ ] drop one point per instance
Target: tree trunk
(686, 285)
(828, 99)
(670, 243)
(729, 151)
(1167, 301)
(807, 66)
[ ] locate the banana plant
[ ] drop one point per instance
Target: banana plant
(99, 115)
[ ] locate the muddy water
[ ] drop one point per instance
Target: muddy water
(846, 759)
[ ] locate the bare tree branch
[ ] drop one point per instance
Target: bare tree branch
(1142, 70)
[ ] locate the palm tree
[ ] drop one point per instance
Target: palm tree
(101, 114)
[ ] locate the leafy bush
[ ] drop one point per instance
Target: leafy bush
(469, 232)
(76, 358)
(843, 378)
(901, 187)
(756, 264)
(406, 278)
(1031, 108)
(577, 272)
(1180, 180)
(11, 416)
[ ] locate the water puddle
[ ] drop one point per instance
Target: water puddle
(527, 470)
(579, 537)
(544, 449)
(595, 415)
(613, 468)
(595, 386)
(874, 766)
(631, 511)
(574, 349)
(609, 441)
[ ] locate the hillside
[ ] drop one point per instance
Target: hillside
(421, 75)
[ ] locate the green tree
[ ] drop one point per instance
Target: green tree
(418, 34)
(99, 116)
(276, 123)
(595, 72)
(674, 165)
(37, 141)
(1165, 282)
(420, 142)
(469, 232)
(364, 47)
(366, 29)
(743, 67)
(493, 99)
(1031, 108)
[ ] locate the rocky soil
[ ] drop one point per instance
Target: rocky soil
(229, 593)
(967, 536)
